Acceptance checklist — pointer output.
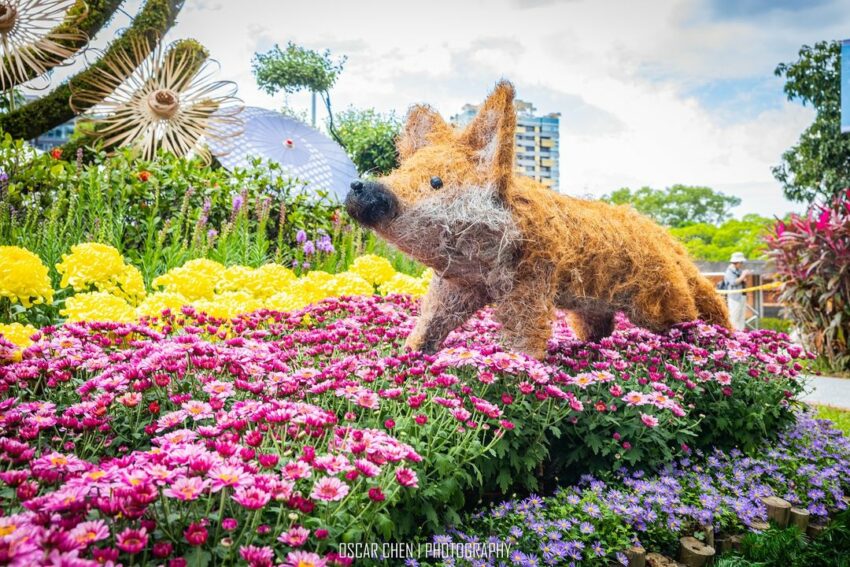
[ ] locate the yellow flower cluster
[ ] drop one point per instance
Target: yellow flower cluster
(196, 279)
(112, 290)
(98, 306)
(402, 283)
(100, 266)
(17, 334)
(228, 291)
(374, 269)
(23, 277)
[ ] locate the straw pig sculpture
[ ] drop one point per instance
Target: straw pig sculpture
(493, 237)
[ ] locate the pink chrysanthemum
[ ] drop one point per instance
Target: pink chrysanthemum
(295, 537)
(329, 489)
(251, 497)
(649, 420)
(186, 488)
(304, 559)
(86, 533)
(132, 541)
(407, 477)
(228, 475)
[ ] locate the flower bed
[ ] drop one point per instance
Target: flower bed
(107, 288)
(596, 521)
(275, 436)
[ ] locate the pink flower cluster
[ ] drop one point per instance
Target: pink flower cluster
(187, 432)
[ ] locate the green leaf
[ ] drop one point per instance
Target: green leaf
(197, 557)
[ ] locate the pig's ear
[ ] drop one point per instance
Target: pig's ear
(423, 127)
(491, 136)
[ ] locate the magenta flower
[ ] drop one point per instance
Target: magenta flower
(295, 537)
(649, 420)
(131, 541)
(295, 470)
(86, 533)
(228, 475)
(251, 497)
(257, 556)
(329, 489)
(406, 477)
(186, 488)
(196, 534)
(304, 559)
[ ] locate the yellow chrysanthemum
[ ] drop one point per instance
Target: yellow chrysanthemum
(312, 287)
(348, 283)
(374, 269)
(228, 304)
(91, 264)
(98, 306)
(270, 279)
(156, 303)
(23, 277)
(196, 279)
(402, 283)
(286, 301)
(130, 285)
(235, 278)
(17, 334)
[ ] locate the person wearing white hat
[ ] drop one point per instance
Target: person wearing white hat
(735, 278)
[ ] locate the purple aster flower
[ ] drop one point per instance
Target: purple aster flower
(592, 510)
(597, 548)
(301, 237)
(309, 248)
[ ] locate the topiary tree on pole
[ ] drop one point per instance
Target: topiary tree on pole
(297, 68)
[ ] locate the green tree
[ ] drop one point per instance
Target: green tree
(819, 164)
(679, 205)
(297, 68)
(717, 243)
(370, 138)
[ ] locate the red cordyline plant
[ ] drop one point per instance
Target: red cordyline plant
(812, 255)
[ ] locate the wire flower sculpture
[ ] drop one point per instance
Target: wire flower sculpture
(36, 36)
(169, 100)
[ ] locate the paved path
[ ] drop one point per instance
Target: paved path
(830, 391)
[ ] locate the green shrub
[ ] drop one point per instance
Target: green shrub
(776, 324)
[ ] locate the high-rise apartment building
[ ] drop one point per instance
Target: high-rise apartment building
(536, 141)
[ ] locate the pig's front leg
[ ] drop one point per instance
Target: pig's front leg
(526, 314)
(445, 307)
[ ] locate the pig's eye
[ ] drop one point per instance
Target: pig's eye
(436, 182)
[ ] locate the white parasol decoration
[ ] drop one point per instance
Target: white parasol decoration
(302, 152)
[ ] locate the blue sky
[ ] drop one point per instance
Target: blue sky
(654, 92)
